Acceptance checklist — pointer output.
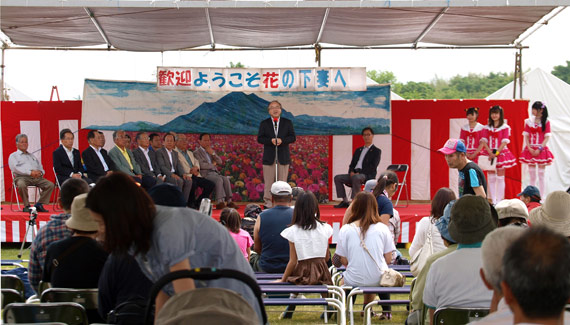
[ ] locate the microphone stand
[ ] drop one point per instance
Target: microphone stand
(276, 156)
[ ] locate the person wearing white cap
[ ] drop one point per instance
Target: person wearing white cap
(512, 212)
(77, 261)
(554, 213)
(272, 250)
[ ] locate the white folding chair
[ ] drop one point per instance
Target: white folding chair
(401, 169)
(15, 192)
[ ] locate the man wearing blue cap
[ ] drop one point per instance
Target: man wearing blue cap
(471, 177)
(531, 197)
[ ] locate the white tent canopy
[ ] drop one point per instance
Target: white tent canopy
(161, 25)
(555, 93)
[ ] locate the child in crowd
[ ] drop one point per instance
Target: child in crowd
(231, 219)
(535, 153)
(471, 134)
(496, 138)
(308, 238)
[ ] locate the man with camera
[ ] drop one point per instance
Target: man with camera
(363, 166)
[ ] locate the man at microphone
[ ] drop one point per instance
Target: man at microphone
(275, 133)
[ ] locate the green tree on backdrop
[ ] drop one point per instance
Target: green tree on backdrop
(562, 72)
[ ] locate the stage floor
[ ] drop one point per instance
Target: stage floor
(13, 224)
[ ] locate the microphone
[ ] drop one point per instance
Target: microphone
(275, 120)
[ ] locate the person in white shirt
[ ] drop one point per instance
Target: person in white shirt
(28, 171)
(453, 280)
(364, 226)
(426, 225)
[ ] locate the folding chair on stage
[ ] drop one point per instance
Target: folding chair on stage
(400, 169)
(451, 315)
(56, 192)
(15, 192)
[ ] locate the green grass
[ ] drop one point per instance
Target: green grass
(302, 315)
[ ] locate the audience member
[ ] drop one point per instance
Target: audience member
(416, 303)
(146, 158)
(191, 166)
(535, 277)
(471, 177)
(209, 162)
(96, 160)
(168, 195)
(453, 280)
(362, 167)
(165, 239)
(76, 261)
(531, 197)
(250, 216)
(512, 212)
(66, 159)
(155, 142)
(365, 246)
(124, 160)
(554, 214)
(308, 238)
(426, 225)
(54, 230)
(492, 252)
(272, 249)
(169, 166)
(230, 218)
(28, 171)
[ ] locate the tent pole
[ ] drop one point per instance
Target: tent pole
(3, 94)
(520, 75)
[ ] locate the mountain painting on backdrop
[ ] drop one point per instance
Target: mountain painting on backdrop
(139, 106)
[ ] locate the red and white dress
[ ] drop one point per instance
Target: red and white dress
(494, 137)
(535, 138)
(471, 137)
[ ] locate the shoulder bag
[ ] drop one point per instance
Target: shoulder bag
(390, 277)
(420, 257)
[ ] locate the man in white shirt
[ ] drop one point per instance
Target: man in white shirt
(362, 167)
(28, 171)
(97, 161)
(453, 280)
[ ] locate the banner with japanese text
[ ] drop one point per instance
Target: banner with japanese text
(139, 106)
(251, 79)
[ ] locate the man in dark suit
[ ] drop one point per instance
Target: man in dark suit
(363, 166)
(275, 132)
(146, 158)
(124, 160)
(169, 166)
(96, 160)
(67, 160)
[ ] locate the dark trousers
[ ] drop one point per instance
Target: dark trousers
(345, 179)
(207, 187)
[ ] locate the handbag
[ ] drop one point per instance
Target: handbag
(485, 164)
(420, 257)
(390, 277)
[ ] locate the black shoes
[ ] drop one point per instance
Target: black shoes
(40, 207)
(26, 209)
(342, 205)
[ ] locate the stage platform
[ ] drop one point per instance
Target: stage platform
(13, 224)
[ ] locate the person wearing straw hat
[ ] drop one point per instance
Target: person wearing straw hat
(453, 280)
(554, 214)
(77, 261)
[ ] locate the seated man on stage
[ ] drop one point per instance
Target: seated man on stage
(124, 160)
(155, 142)
(67, 160)
(168, 164)
(363, 166)
(146, 158)
(209, 162)
(191, 166)
(96, 160)
(28, 171)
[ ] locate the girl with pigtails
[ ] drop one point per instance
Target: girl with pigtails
(535, 153)
(471, 134)
(496, 138)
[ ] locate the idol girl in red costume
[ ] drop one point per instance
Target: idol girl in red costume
(535, 153)
(471, 134)
(496, 138)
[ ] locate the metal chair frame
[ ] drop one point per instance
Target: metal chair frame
(15, 192)
(457, 315)
(401, 168)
